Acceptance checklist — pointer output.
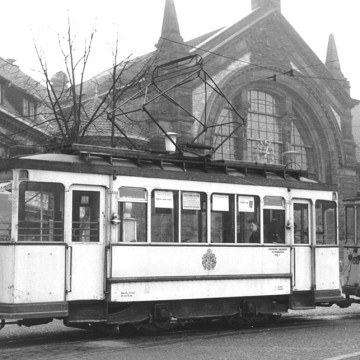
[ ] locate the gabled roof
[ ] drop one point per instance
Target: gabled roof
(17, 78)
(216, 41)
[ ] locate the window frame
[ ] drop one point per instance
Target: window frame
(98, 206)
(317, 225)
(132, 221)
(2, 89)
(28, 107)
(58, 210)
(269, 227)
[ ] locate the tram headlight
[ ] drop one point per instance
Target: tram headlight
(115, 219)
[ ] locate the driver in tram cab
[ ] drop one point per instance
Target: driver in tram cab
(255, 234)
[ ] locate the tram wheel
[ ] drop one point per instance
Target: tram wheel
(253, 319)
(153, 328)
(104, 329)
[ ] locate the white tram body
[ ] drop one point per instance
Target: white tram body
(350, 275)
(113, 239)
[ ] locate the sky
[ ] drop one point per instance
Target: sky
(137, 24)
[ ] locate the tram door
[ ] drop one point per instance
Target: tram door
(302, 262)
(86, 250)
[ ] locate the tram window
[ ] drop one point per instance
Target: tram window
(85, 216)
(222, 218)
(301, 224)
(41, 211)
(193, 217)
(164, 216)
(325, 222)
(350, 224)
(248, 219)
(133, 214)
(5, 211)
(358, 224)
(274, 219)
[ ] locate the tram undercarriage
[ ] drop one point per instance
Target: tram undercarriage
(165, 315)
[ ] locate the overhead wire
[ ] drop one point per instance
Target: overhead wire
(255, 64)
(276, 72)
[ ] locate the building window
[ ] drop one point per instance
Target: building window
(225, 139)
(297, 144)
(1, 94)
(264, 133)
(28, 108)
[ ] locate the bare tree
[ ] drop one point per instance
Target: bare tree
(79, 109)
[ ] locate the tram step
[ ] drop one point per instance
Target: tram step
(302, 307)
(87, 311)
(302, 300)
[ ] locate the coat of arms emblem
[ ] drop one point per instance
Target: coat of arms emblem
(209, 260)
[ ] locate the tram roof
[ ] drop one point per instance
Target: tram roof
(79, 158)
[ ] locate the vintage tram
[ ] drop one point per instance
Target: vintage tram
(101, 237)
(350, 274)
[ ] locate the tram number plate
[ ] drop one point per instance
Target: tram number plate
(279, 287)
(127, 294)
(277, 251)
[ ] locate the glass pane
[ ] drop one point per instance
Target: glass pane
(127, 193)
(86, 216)
(301, 224)
(193, 217)
(350, 225)
(274, 226)
(357, 224)
(222, 218)
(41, 211)
(164, 216)
(325, 222)
(274, 201)
(133, 221)
(263, 126)
(227, 151)
(5, 211)
(248, 219)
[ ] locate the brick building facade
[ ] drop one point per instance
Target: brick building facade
(287, 100)
(290, 101)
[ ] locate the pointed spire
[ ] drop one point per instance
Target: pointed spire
(170, 32)
(333, 63)
(332, 58)
(266, 4)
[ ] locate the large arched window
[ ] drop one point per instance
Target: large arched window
(226, 137)
(266, 133)
(297, 144)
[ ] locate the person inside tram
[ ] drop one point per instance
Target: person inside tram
(275, 232)
(255, 234)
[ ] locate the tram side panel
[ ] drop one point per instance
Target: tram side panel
(327, 261)
(144, 273)
(7, 273)
(32, 274)
(350, 275)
